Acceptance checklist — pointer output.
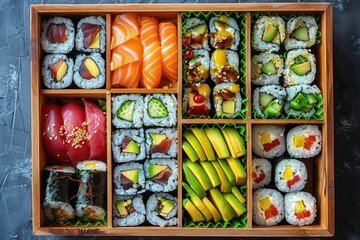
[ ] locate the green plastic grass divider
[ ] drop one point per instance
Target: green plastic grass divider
(79, 223)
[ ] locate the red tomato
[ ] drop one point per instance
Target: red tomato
(189, 54)
(187, 41)
(199, 98)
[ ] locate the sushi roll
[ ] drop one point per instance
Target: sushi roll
(161, 210)
(227, 100)
(90, 36)
(128, 145)
(304, 141)
(57, 71)
(57, 35)
(160, 110)
(128, 210)
(261, 173)
(268, 207)
(197, 34)
(89, 71)
(224, 66)
(300, 208)
(266, 69)
(290, 175)
(197, 100)
(58, 192)
(301, 100)
(197, 69)
(268, 101)
(127, 111)
(161, 175)
(268, 34)
(300, 32)
(161, 142)
(129, 179)
(300, 67)
(91, 200)
(224, 33)
(268, 140)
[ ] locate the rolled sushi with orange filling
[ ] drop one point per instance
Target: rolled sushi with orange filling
(268, 207)
(268, 140)
(304, 141)
(57, 71)
(290, 175)
(224, 66)
(197, 100)
(90, 36)
(227, 100)
(300, 208)
(89, 71)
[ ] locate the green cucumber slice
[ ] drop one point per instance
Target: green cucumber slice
(301, 99)
(301, 34)
(157, 109)
(294, 105)
(126, 110)
(273, 109)
(199, 29)
(269, 68)
(265, 99)
(307, 107)
(311, 98)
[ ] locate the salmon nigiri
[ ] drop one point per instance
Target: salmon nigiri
(127, 76)
(149, 30)
(128, 52)
(124, 27)
(169, 50)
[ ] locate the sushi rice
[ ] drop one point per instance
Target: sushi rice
(272, 133)
(279, 94)
(297, 138)
(261, 60)
(232, 28)
(152, 214)
(290, 175)
(47, 73)
(294, 24)
(170, 133)
(197, 68)
(137, 135)
(135, 218)
(136, 188)
(160, 110)
(190, 24)
(261, 166)
(79, 38)
(269, 197)
(159, 186)
(300, 208)
(97, 82)
(127, 111)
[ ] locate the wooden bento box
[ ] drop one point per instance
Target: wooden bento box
(320, 168)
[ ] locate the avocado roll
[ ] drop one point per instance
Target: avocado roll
(161, 175)
(224, 66)
(290, 175)
(227, 100)
(160, 110)
(161, 142)
(197, 34)
(268, 140)
(91, 200)
(268, 207)
(261, 173)
(197, 68)
(129, 179)
(58, 193)
(224, 33)
(128, 145)
(266, 69)
(57, 71)
(128, 210)
(90, 36)
(161, 210)
(304, 141)
(127, 111)
(300, 32)
(89, 71)
(197, 100)
(300, 208)
(268, 101)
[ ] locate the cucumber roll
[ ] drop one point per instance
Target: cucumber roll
(197, 100)
(91, 201)
(300, 208)
(268, 34)
(300, 67)
(161, 210)
(227, 99)
(161, 142)
(127, 111)
(268, 140)
(89, 71)
(128, 210)
(266, 69)
(261, 173)
(161, 175)
(197, 68)
(290, 175)
(57, 71)
(197, 34)
(224, 66)
(58, 193)
(129, 179)
(304, 141)
(300, 32)
(160, 110)
(268, 101)
(128, 145)
(224, 33)
(268, 207)
(90, 36)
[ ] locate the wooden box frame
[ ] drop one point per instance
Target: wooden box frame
(323, 167)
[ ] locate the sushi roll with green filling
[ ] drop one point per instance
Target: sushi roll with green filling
(268, 140)
(290, 175)
(268, 34)
(197, 100)
(127, 111)
(300, 32)
(227, 99)
(128, 145)
(161, 175)
(304, 141)
(224, 33)
(89, 71)
(266, 69)
(224, 66)
(128, 210)
(300, 67)
(197, 68)
(300, 208)
(197, 34)
(90, 36)
(161, 210)
(57, 71)
(161, 142)
(301, 100)
(261, 173)
(268, 207)
(129, 179)
(268, 101)
(160, 110)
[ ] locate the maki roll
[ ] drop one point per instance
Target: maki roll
(57, 71)
(58, 193)
(290, 175)
(127, 111)
(89, 71)
(266, 69)
(261, 173)
(300, 208)
(91, 201)
(268, 34)
(197, 33)
(161, 175)
(161, 142)
(304, 141)
(224, 66)
(128, 210)
(227, 100)
(197, 69)
(90, 36)
(160, 110)
(224, 33)
(268, 101)
(268, 140)
(128, 145)
(57, 35)
(300, 67)
(300, 32)
(301, 100)
(129, 179)
(161, 210)
(268, 207)
(197, 100)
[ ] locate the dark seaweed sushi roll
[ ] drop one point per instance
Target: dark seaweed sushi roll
(160, 110)
(128, 210)
(161, 210)
(91, 200)
(224, 66)
(197, 68)
(57, 71)
(224, 33)
(129, 179)
(58, 193)
(197, 99)
(161, 142)
(90, 36)
(268, 101)
(161, 175)
(128, 145)
(89, 71)
(197, 34)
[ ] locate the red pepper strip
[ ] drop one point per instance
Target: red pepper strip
(269, 146)
(260, 177)
(309, 141)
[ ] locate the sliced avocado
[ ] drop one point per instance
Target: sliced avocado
(265, 99)
(302, 68)
(238, 170)
(269, 68)
(133, 175)
(238, 194)
(157, 109)
(205, 142)
(273, 109)
(300, 59)
(211, 172)
(189, 151)
(195, 144)
(199, 29)
(311, 99)
(194, 213)
(193, 182)
(294, 105)
(218, 142)
(167, 206)
(156, 138)
(126, 111)
(301, 34)
(199, 173)
(226, 211)
(269, 33)
(228, 106)
(156, 169)
(132, 147)
(225, 186)
(238, 208)
(122, 208)
(215, 213)
(228, 172)
(234, 141)
(276, 39)
(301, 99)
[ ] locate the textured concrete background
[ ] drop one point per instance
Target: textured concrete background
(15, 116)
